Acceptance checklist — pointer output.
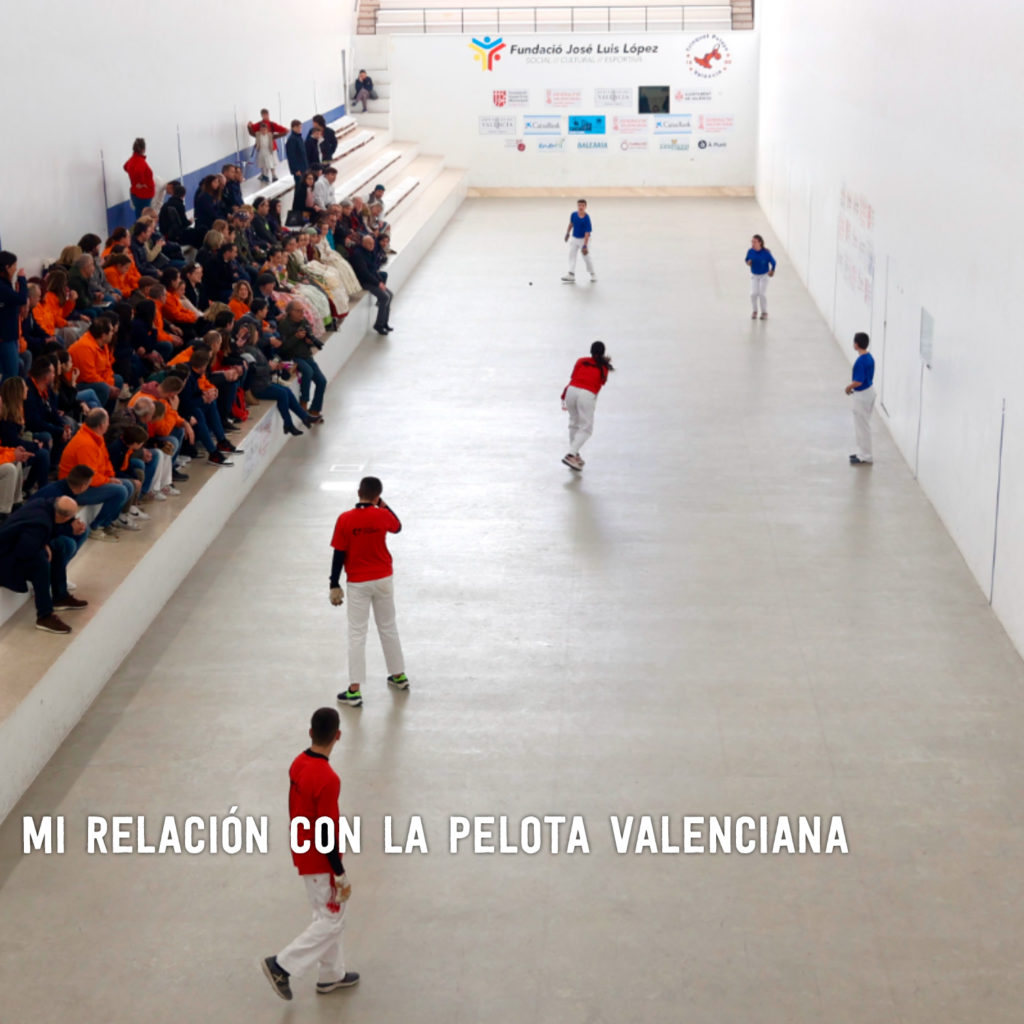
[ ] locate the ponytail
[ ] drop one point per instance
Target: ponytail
(604, 363)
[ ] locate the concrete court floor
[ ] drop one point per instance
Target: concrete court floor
(720, 617)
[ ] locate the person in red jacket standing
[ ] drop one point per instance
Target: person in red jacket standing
(361, 548)
(266, 133)
(580, 399)
(313, 795)
(140, 174)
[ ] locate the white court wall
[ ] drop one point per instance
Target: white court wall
(888, 150)
(565, 109)
(84, 78)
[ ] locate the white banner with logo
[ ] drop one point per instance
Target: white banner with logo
(659, 109)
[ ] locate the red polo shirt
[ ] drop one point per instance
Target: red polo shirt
(362, 534)
(587, 374)
(314, 792)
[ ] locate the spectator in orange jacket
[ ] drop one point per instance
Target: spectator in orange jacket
(93, 357)
(87, 448)
(56, 305)
(140, 174)
(241, 299)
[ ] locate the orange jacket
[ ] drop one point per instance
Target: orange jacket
(7, 455)
(161, 427)
(50, 314)
(183, 357)
(125, 281)
(86, 448)
(95, 362)
(238, 307)
(161, 332)
(176, 312)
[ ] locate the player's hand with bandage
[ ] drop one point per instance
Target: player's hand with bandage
(337, 596)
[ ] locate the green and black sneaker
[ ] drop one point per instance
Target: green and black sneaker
(399, 681)
(353, 698)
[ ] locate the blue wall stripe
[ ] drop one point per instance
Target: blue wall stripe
(122, 214)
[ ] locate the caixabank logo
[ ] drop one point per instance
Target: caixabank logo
(708, 56)
(487, 51)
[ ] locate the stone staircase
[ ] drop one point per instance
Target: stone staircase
(366, 17)
(742, 13)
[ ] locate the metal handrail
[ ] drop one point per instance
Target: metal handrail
(493, 15)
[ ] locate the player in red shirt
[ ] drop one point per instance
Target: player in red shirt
(361, 548)
(313, 795)
(580, 399)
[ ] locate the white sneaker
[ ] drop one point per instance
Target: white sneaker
(136, 513)
(171, 490)
(593, 277)
(71, 586)
(158, 496)
(127, 523)
(569, 279)
(182, 461)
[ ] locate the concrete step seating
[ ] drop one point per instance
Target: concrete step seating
(48, 682)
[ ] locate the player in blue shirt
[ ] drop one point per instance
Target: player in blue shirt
(577, 234)
(863, 391)
(762, 266)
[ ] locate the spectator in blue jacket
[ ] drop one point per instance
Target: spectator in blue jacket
(232, 195)
(13, 298)
(295, 151)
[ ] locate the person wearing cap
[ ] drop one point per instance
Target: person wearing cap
(376, 196)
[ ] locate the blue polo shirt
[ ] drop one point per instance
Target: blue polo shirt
(580, 225)
(760, 261)
(864, 371)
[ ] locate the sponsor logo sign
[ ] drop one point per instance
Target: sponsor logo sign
(487, 52)
(678, 145)
(693, 95)
(551, 145)
(563, 97)
(630, 144)
(612, 97)
(672, 125)
(542, 124)
(711, 144)
(629, 125)
(711, 123)
(497, 124)
(592, 145)
(586, 125)
(708, 56)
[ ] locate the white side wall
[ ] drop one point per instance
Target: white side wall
(912, 109)
(81, 78)
(444, 96)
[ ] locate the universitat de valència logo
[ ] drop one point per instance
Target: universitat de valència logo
(708, 56)
(486, 51)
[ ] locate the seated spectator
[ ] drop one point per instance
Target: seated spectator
(74, 402)
(93, 357)
(209, 203)
(323, 190)
(168, 333)
(33, 550)
(362, 90)
(149, 260)
(13, 301)
(263, 232)
(355, 217)
(197, 404)
(364, 263)
(176, 308)
(248, 256)
(55, 313)
(14, 433)
(275, 218)
(75, 484)
(132, 463)
(221, 273)
(11, 462)
(168, 431)
(149, 354)
(32, 334)
(241, 299)
(194, 296)
(303, 202)
(173, 220)
(263, 386)
(101, 287)
(299, 345)
(42, 410)
(119, 270)
(114, 496)
(328, 140)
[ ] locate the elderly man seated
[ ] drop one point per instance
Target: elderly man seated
(33, 549)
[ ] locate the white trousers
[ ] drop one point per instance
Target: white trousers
(266, 154)
(575, 246)
(162, 473)
(321, 942)
(380, 596)
(10, 485)
(581, 404)
(759, 291)
(863, 403)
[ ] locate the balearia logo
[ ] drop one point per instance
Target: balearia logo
(591, 144)
(708, 56)
(486, 51)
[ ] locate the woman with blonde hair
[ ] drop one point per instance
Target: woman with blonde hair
(13, 393)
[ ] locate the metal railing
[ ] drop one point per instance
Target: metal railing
(499, 20)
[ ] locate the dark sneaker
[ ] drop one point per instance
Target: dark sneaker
(53, 624)
(855, 461)
(399, 681)
(177, 476)
(228, 448)
(353, 698)
(351, 978)
(277, 976)
(68, 604)
(217, 459)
